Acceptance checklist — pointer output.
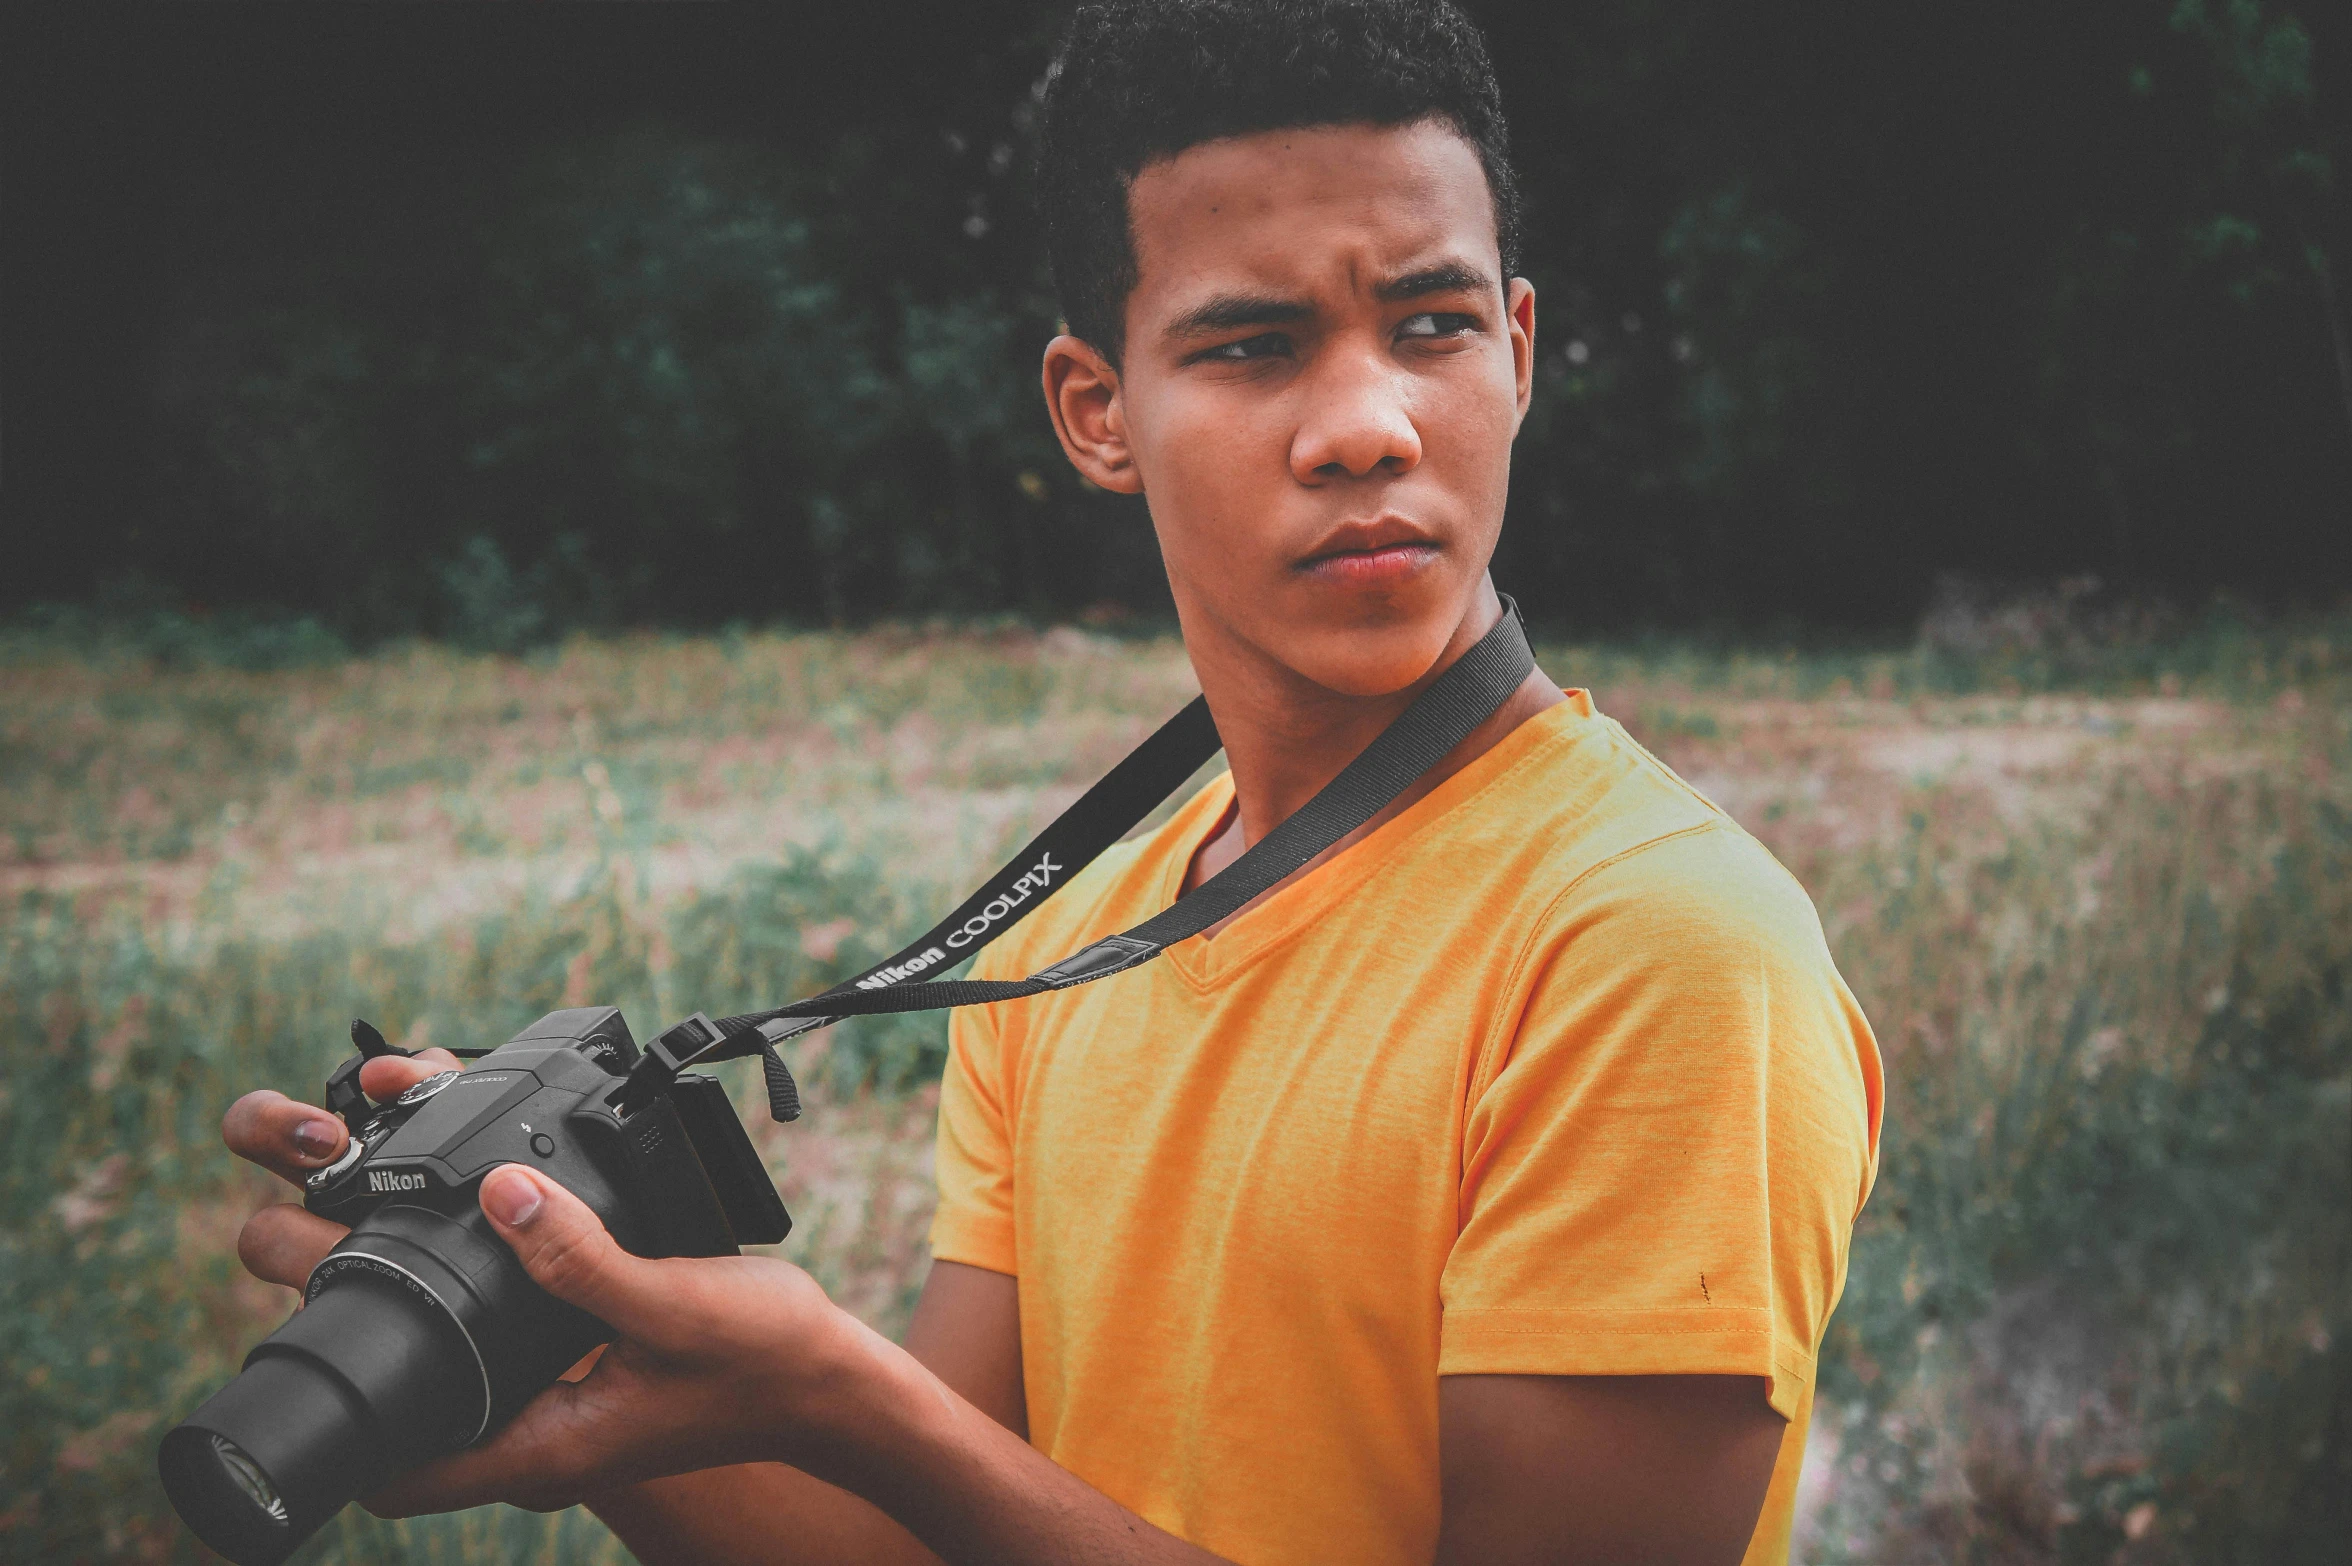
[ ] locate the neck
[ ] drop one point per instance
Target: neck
(1285, 736)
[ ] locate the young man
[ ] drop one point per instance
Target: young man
(1479, 1194)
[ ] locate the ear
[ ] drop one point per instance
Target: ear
(1519, 305)
(1082, 394)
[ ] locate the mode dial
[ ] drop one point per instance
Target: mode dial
(421, 1091)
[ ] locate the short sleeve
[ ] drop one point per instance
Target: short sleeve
(974, 1223)
(1666, 1143)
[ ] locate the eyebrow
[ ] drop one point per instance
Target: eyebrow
(1227, 312)
(1447, 277)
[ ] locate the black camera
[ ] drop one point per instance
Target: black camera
(420, 1333)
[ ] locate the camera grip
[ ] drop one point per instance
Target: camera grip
(677, 1211)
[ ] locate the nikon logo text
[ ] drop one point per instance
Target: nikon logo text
(1035, 879)
(883, 977)
(389, 1180)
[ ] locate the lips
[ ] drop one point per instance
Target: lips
(1378, 553)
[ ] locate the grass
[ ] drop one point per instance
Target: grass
(2099, 907)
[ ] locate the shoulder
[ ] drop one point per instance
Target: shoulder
(1707, 891)
(1632, 850)
(1681, 947)
(1688, 968)
(1645, 911)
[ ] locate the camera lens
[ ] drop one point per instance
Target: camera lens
(330, 1405)
(247, 1476)
(420, 1334)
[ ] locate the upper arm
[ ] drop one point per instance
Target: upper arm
(967, 1332)
(1561, 1470)
(1661, 1161)
(1663, 1151)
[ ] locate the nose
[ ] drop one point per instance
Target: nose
(1356, 422)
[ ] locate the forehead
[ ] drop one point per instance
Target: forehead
(1308, 208)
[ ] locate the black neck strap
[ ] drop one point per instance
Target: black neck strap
(1469, 692)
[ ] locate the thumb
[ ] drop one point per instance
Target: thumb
(568, 1251)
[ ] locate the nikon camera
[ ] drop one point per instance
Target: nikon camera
(421, 1333)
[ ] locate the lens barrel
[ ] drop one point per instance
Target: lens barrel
(327, 1406)
(419, 1334)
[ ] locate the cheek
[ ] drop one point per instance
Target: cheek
(1467, 427)
(1209, 463)
(1478, 416)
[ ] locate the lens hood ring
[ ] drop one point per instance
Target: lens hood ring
(347, 1260)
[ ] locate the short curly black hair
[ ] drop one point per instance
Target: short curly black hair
(1136, 81)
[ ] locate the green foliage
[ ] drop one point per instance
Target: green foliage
(2039, 291)
(2117, 1168)
(1828, 308)
(145, 626)
(2249, 230)
(627, 377)
(1745, 293)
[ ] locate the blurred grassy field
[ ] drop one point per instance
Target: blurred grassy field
(2099, 909)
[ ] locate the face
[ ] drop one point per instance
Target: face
(1323, 372)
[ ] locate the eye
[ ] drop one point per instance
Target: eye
(1436, 323)
(1263, 346)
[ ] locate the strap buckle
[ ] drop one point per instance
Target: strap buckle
(1112, 954)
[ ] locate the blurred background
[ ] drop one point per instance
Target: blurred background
(513, 506)
(482, 322)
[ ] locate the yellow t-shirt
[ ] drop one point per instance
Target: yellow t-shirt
(1551, 1074)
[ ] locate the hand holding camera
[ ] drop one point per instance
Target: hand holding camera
(481, 1260)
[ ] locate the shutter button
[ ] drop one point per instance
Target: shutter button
(351, 1155)
(543, 1145)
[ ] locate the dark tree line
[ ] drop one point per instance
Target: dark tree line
(497, 322)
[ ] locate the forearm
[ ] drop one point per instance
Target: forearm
(753, 1514)
(892, 1432)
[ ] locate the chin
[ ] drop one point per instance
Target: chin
(1371, 660)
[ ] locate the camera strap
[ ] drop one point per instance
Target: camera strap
(1469, 692)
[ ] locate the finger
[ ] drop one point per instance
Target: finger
(285, 1137)
(568, 1252)
(389, 1076)
(282, 1244)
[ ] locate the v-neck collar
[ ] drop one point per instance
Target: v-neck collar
(1204, 963)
